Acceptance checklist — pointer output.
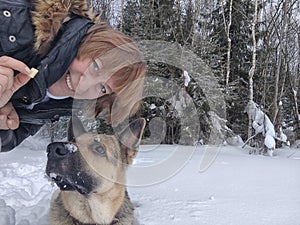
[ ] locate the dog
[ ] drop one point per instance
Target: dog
(89, 170)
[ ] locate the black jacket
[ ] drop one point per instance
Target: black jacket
(18, 36)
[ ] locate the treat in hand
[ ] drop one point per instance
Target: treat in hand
(33, 72)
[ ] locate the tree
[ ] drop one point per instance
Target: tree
(103, 7)
(230, 28)
(252, 48)
(252, 70)
(227, 29)
(173, 22)
(277, 57)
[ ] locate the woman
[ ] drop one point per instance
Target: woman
(75, 59)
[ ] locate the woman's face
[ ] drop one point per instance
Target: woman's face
(83, 80)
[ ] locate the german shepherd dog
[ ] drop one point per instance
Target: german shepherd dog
(89, 170)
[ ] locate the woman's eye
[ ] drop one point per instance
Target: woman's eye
(95, 66)
(103, 89)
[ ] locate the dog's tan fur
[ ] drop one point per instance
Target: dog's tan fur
(108, 201)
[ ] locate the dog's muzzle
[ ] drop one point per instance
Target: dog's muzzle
(65, 169)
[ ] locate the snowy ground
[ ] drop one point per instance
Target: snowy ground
(236, 189)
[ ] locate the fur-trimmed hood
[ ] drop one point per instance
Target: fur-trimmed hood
(49, 15)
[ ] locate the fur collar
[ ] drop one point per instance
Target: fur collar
(49, 15)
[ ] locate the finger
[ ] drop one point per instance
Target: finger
(3, 122)
(19, 81)
(5, 97)
(9, 118)
(7, 109)
(13, 123)
(6, 79)
(13, 115)
(14, 64)
(6, 74)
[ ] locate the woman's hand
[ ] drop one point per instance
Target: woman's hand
(9, 118)
(9, 83)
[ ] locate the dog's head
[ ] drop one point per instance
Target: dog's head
(92, 162)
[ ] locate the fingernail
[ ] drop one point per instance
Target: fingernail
(2, 117)
(9, 122)
(27, 69)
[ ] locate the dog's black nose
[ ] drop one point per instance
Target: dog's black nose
(57, 149)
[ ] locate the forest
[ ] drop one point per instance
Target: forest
(217, 69)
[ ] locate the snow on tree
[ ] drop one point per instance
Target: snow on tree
(187, 78)
(262, 124)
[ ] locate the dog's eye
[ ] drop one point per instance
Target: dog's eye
(98, 148)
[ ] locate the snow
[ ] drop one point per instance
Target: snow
(152, 106)
(73, 148)
(237, 188)
(187, 78)
(262, 124)
(295, 92)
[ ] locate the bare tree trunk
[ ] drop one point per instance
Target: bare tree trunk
(196, 15)
(252, 70)
(122, 15)
(266, 59)
(282, 40)
(227, 28)
(294, 90)
(298, 80)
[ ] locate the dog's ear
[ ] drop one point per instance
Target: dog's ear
(103, 106)
(131, 137)
(75, 128)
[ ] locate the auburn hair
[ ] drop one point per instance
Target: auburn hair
(121, 57)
